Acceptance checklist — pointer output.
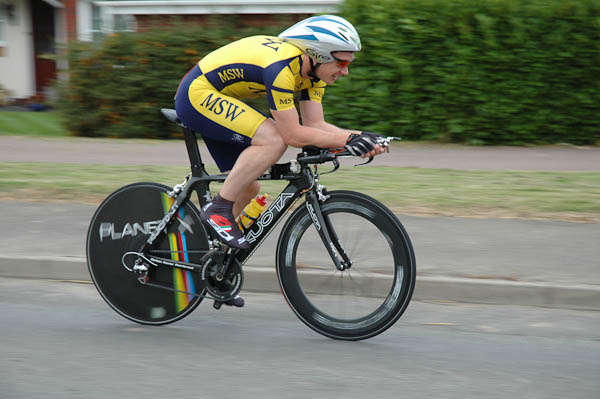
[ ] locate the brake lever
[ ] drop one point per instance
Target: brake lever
(383, 142)
(364, 163)
(336, 164)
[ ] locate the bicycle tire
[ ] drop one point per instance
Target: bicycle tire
(121, 224)
(364, 300)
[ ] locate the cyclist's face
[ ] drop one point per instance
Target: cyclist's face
(330, 72)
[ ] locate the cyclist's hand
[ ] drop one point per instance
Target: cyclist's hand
(364, 144)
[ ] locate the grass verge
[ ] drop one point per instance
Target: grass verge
(23, 123)
(547, 195)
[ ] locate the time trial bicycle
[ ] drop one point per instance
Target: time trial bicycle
(344, 262)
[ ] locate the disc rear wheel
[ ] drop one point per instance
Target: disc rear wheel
(122, 223)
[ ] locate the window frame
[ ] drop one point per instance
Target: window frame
(3, 25)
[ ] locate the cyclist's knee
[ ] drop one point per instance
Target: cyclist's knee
(267, 135)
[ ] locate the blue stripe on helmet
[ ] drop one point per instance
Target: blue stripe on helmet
(305, 37)
(325, 18)
(325, 31)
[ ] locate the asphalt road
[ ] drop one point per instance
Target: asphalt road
(59, 340)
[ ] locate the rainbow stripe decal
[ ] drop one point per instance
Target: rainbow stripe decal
(182, 280)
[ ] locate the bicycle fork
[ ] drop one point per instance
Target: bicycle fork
(326, 230)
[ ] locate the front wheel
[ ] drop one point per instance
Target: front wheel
(363, 300)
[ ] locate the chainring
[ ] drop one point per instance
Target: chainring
(224, 287)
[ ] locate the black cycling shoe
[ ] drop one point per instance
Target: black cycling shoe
(237, 301)
(218, 216)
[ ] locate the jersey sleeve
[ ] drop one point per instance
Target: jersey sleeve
(314, 93)
(279, 82)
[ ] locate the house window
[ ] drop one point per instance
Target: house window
(103, 22)
(96, 23)
(125, 23)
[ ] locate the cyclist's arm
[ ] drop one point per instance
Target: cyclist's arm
(280, 94)
(297, 135)
(313, 116)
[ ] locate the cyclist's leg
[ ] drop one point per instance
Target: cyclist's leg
(226, 154)
(241, 186)
(240, 139)
(266, 148)
(245, 197)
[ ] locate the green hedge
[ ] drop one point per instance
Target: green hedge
(475, 71)
(116, 87)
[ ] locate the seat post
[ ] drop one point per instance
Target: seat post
(191, 144)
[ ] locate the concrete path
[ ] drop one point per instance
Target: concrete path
(140, 152)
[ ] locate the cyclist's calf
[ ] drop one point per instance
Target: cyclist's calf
(245, 197)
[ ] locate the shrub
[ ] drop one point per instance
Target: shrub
(475, 71)
(116, 86)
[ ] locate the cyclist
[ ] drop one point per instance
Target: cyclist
(303, 59)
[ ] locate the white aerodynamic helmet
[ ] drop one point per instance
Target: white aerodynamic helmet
(320, 36)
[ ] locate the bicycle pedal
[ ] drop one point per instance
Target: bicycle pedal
(237, 302)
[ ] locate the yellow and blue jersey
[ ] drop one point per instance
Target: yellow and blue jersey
(260, 65)
(210, 96)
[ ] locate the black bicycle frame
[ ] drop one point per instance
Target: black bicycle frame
(301, 182)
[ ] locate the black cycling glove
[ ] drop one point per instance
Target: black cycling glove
(359, 144)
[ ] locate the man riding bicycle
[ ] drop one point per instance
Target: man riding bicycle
(303, 59)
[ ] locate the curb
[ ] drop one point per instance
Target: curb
(264, 279)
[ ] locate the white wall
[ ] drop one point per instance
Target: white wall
(17, 72)
(84, 20)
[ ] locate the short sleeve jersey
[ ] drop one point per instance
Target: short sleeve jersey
(261, 65)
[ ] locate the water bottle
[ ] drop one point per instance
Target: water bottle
(251, 212)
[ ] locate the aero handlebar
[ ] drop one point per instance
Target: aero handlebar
(315, 155)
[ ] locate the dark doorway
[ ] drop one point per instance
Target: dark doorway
(44, 49)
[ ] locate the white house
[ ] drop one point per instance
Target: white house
(33, 32)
